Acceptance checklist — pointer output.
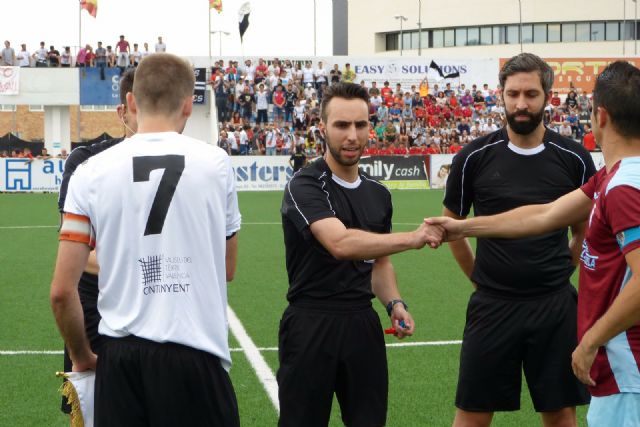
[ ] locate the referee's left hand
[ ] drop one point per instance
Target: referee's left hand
(581, 362)
(400, 314)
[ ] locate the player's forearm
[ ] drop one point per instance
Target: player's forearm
(521, 222)
(464, 256)
(67, 311)
(383, 281)
(356, 244)
(231, 257)
(623, 314)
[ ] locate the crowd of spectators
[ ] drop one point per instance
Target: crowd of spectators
(122, 55)
(274, 108)
(26, 153)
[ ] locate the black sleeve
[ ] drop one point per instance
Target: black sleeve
(458, 195)
(74, 160)
(306, 202)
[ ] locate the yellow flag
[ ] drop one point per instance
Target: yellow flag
(90, 6)
(216, 4)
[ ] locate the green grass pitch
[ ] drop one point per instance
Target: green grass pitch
(422, 379)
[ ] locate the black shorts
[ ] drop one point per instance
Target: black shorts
(329, 350)
(145, 383)
(503, 337)
(88, 291)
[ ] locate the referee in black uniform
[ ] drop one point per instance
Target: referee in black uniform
(522, 315)
(337, 223)
(88, 285)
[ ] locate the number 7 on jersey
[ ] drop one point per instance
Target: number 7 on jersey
(173, 166)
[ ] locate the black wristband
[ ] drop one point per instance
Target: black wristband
(394, 302)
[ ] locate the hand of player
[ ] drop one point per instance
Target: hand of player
(452, 227)
(581, 362)
(399, 314)
(432, 235)
(87, 363)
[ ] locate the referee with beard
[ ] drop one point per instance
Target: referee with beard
(522, 315)
(337, 222)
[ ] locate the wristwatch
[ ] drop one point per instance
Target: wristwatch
(394, 302)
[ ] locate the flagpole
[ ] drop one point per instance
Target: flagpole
(79, 24)
(209, 35)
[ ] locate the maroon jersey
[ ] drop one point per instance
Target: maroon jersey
(613, 231)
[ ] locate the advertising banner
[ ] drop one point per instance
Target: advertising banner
(99, 86)
(201, 85)
(20, 175)
(261, 173)
(411, 71)
(9, 80)
(397, 172)
(440, 167)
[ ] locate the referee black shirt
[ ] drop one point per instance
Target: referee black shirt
(315, 276)
(75, 159)
(495, 176)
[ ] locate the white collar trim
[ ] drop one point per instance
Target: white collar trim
(525, 151)
(346, 184)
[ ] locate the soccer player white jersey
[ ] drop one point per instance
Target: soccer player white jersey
(160, 205)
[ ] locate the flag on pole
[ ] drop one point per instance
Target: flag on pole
(216, 4)
(243, 18)
(90, 6)
(436, 67)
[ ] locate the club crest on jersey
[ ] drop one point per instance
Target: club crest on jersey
(588, 260)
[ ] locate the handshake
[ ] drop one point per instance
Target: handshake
(437, 230)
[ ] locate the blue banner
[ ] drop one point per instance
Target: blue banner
(99, 86)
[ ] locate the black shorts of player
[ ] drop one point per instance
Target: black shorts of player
(88, 291)
(326, 350)
(503, 337)
(145, 383)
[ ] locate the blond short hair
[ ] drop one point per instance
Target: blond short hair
(162, 82)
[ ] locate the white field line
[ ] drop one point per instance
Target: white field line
(256, 360)
(237, 349)
(26, 227)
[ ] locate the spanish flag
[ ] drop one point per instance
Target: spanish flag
(91, 6)
(216, 4)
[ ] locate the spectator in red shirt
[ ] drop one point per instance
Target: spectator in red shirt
(455, 147)
(589, 141)
(555, 100)
(433, 149)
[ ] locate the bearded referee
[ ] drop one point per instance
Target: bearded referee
(166, 249)
(88, 284)
(337, 233)
(522, 315)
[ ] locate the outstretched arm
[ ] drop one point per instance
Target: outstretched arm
(350, 243)
(531, 220)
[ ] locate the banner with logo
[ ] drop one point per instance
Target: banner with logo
(9, 80)
(411, 71)
(397, 172)
(21, 175)
(201, 85)
(261, 173)
(99, 86)
(572, 73)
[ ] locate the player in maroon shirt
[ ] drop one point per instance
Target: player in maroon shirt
(608, 355)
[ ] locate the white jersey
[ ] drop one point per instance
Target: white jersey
(160, 205)
(307, 75)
